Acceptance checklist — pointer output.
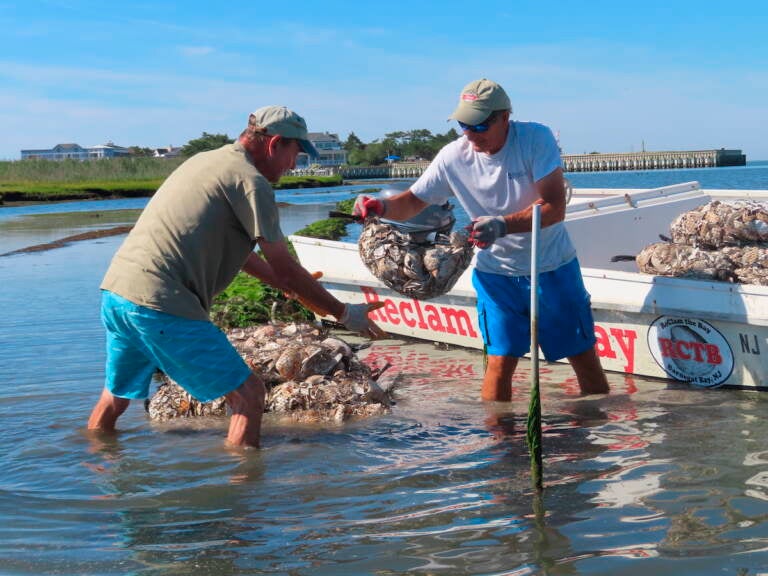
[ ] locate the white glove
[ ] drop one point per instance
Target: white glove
(355, 318)
(485, 230)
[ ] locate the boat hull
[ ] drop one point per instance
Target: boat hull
(708, 334)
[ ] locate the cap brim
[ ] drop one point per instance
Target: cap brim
(308, 148)
(470, 115)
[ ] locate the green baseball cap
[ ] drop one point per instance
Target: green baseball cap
(478, 99)
(280, 121)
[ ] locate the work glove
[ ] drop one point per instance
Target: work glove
(366, 206)
(485, 230)
(355, 318)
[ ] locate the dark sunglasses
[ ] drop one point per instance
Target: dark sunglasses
(482, 127)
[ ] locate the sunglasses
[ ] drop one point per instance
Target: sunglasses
(482, 127)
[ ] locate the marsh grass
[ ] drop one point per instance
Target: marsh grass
(47, 180)
(76, 171)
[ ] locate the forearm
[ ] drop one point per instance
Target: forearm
(259, 268)
(522, 221)
(307, 289)
(282, 270)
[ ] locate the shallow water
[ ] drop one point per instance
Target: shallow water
(651, 479)
(24, 226)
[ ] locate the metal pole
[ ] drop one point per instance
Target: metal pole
(534, 408)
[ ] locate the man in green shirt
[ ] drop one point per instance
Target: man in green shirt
(198, 230)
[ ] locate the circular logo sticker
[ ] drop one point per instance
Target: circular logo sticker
(690, 350)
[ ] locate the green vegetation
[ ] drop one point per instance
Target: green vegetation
(332, 228)
(328, 229)
(205, 142)
(47, 180)
(72, 171)
(248, 301)
(347, 205)
(50, 191)
(307, 182)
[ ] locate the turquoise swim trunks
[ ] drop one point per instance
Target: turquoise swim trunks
(196, 354)
(566, 326)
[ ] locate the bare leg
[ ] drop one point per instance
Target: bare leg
(497, 382)
(107, 411)
(589, 372)
(247, 405)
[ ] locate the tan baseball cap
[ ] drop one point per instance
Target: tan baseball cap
(280, 121)
(478, 99)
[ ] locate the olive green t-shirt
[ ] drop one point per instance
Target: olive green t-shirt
(195, 234)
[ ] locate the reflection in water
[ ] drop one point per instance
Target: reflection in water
(649, 479)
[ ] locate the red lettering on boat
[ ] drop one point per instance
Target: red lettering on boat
(443, 319)
(713, 354)
(625, 339)
(686, 350)
(406, 320)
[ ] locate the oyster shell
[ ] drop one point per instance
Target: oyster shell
(309, 378)
(417, 269)
(172, 401)
(666, 259)
(719, 224)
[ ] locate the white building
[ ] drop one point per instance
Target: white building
(330, 149)
(76, 152)
(169, 152)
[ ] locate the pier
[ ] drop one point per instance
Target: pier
(652, 160)
(594, 162)
(393, 170)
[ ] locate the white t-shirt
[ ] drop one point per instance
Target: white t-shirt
(500, 184)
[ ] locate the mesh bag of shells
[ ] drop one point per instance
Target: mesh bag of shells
(717, 241)
(416, 265)
(719, 224)
(310, 377)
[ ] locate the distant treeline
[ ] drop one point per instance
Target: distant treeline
(421, 144)
(141, 175)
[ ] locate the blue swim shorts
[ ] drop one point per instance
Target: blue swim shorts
(196, 354)
(565, 323)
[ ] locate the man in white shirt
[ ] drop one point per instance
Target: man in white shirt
(497, 171)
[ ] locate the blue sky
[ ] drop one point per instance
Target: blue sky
(606, 76)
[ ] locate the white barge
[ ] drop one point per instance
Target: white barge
(706, 333)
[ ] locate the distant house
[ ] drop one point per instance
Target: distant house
(169, 152)
(330, 149)
(76, 152)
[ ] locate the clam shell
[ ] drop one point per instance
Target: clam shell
(288, 365)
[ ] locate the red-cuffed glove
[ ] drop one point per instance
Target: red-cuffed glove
(485, 230)
(366, 206)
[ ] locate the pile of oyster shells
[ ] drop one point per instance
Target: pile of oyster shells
(310, 377)
(717, 241)
(417, 269)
